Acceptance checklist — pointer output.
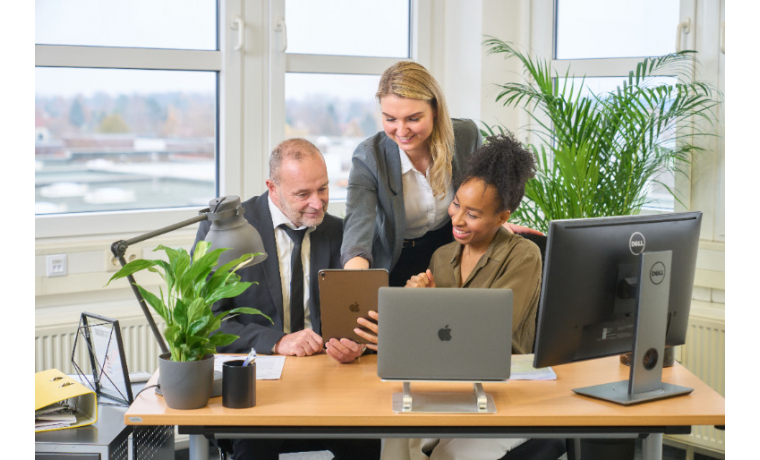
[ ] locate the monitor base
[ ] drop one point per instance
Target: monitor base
(617, 392)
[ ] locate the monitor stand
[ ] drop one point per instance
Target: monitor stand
(444, 402)
(645, 382)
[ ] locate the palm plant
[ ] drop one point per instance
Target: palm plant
(598, 153)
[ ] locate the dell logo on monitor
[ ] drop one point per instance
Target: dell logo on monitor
(637, 243)
(657, 273)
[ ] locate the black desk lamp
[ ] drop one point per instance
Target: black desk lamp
(229, 229)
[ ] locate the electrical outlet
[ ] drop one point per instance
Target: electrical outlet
(56, 265)
(112, 263)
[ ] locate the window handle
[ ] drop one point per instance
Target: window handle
(682, 29)
(279, 26)
(239, 25)
(723, 37)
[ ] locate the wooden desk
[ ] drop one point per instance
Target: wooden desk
(318, 397)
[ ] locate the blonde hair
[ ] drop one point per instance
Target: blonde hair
(410, 80)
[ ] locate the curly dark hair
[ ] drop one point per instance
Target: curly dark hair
(504, 164)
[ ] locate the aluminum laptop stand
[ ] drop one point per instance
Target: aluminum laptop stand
(477, 402)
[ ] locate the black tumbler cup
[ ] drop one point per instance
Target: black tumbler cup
(238, 385)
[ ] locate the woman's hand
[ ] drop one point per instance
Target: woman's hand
(514, 228)
(370, 336)
(421, 280)
(357, 263)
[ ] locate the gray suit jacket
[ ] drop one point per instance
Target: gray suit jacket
(375, 215)
(255, 330)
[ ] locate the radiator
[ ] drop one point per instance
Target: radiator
(704, 355)
(53, 346)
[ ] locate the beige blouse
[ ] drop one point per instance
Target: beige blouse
(511, 262)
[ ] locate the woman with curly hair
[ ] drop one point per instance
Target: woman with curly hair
(485, 254)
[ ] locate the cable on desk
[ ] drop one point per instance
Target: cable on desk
(149, 386)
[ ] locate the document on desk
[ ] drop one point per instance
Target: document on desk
(522, 369)
(267, 367)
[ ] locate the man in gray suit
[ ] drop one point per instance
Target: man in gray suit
(300, 239)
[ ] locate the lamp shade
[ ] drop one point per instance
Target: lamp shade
(229, 229)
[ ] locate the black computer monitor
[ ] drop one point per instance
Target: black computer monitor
(615, 285)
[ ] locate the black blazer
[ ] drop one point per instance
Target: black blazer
(254, 330)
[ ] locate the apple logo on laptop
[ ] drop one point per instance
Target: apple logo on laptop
(354, 307)
(444, 333)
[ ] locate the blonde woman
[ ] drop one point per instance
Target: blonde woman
(400, 184)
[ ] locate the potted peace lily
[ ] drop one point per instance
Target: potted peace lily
(193, 285)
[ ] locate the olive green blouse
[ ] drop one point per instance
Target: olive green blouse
(511, 262)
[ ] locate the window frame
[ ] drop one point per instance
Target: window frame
(224, 61)
(543, 40)
(251, 103)
(281, 63)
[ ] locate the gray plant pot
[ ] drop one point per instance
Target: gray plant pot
(186, 385)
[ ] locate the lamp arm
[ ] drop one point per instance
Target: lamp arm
(202, 215)
(119, 249)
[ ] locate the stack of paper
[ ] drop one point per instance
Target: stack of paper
(54, 417)
(267, 367)
(522, 369)
(61, 402)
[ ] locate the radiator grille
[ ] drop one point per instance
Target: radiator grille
(704, 355)
(54, 344)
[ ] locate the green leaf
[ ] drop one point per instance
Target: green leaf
(180, 313)
(156, 304)
(221, 339)
(200, 249)
(197, 309)
(172, 334)
(131, 268)
(247, 310)
(228, 291)
(199, 324)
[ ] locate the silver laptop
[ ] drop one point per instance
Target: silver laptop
(444, 334)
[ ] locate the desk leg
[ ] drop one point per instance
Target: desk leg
(652, 447)
(198, 448)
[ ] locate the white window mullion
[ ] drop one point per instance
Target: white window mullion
(254, 80)
(125, 58)
(230, 98)
(596, 67)
(420, 33)
(277, 68)
(352, 65)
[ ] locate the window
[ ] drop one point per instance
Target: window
(334, 54)
(127, 113)
(123, 138)
(648, 28)
(118, 139)
(145, 111)
(587, 40)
